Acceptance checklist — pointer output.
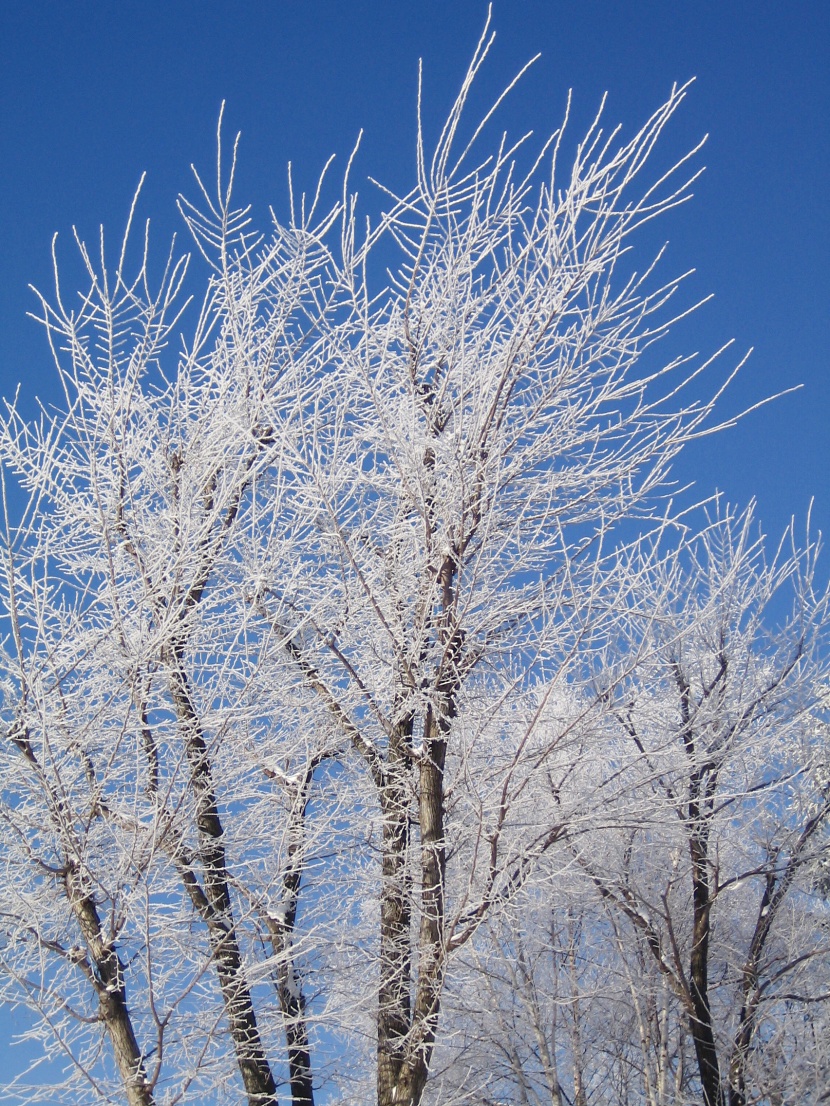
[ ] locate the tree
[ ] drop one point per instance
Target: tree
(295, 614)
(687, 939)
(724, 713)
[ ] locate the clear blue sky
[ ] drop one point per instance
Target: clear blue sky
(95, 93)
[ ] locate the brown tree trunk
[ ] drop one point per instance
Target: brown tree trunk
(702, 784)
(402, 1083)
(431, 950)
(107, 974)
(701, 1019)
(101, 962)
(407, 1032)
(215, 904)
(289, 991)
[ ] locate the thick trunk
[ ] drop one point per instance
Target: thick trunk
(107, 973)
(216, 908)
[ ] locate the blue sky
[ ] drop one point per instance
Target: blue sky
(95, 93)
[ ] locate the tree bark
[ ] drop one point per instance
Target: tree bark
(215, 903)
(281, 929)
(702, 783)
(431, 952)
(394, 999)
(403, 1069)
(107, 973)
(701, 1018)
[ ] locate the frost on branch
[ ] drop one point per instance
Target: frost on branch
(356, 668)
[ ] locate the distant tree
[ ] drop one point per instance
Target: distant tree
(677, 951)
(300, 621)
(716, 863)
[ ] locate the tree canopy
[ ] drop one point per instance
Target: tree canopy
(376, 726)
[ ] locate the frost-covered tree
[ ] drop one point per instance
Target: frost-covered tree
(677, 950)
(301, 617)
(725, 711)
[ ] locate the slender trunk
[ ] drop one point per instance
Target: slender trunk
(431, 952)
(576, 1021)
(646, 1015)
(701, 1018)
(746, 1019)
(414, 1071)
(101, 963)
(770, 901)
(547, 1048)
(299, 1053)
(289, 991)
(775, 892)
(702, 784)
(394, 998)
(663, 1055)
(216, 908)
(406, 1033)
(292, 1005)
(555, 1085)
(107, 974)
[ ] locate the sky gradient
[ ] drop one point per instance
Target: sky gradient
(94, 94)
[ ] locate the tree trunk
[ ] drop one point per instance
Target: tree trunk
(774, 894)
(702, 783)
(215, 904)
(394, 999)
(107, 973)
(289, 992)
(700, 1020)
(431, 950)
